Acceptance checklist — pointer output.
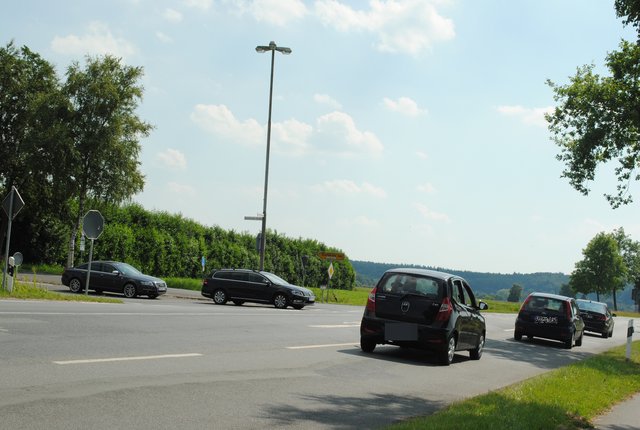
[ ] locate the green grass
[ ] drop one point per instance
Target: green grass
(497, 306)
(24, 290)
(184, 283)
(42, 268)
(566, 398)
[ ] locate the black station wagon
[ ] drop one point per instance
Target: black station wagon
(424, 309)
(242, 285)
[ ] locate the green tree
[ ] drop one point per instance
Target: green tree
(105, 131)
(630, 251)
(602, 269)
(566, 290)
(596, 119)
(514, 293)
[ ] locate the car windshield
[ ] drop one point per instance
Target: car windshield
(275, 278)
(400, 283)
(591, 306)
(127, 269)
(546, 304)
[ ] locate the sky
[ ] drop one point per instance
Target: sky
(406, 132)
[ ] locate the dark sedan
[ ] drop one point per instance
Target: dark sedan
(115, 277)
(597, 317)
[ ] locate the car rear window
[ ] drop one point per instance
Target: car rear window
(593, 307)
(400, 283)
(546, 304)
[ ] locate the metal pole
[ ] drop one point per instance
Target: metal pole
(263, 239)
(6, 252)
(86, 291)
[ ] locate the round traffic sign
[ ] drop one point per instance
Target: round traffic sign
(17, 257)
(93, 224)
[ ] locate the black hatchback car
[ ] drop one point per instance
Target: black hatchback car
(242, 285)
(115, 277)
(550, 316)
(424, 309)
(597, 317)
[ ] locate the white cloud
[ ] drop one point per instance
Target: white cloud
(404, 106)
(163, 37)
(346, 187)
(427, 188)
(173, 159)
(327, 100)
(181, 189)
(220, 121)
(337, 132)
(98, 40)
(405, 26)
(172, 15)
(275, 12)
(422, 155)
(529, 116)
(430, 214)
(291, 137)
(198, 4)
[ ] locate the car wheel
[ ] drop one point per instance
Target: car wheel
(75, 285)
(579, 340)
(298, 307)
(476, 353)
(280, 301)
(611, 332)
(219, 297)
(446, 356)
(129, 291)
(238, 302)
(569, 342)
(367, 345)
(517, 335)
(153, 296)
(605, 334)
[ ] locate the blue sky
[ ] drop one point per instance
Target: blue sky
(402, 131)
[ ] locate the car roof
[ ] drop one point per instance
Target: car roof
(591, 301)
(550, 296)
(423, 272)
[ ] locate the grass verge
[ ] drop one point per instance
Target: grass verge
(184, 283)
(23, 290)
(566, 398)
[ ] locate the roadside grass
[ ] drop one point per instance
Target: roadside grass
(184, 283)
(49, 269)
(496, 306)
(28, 291)
(566, 398)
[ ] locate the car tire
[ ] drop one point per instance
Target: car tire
(75, 285)
(517, 335)
(238, 302)
(568, 344)
(219, 297)
(298, 307)
(367, 345)
(476, 353)
(129, 291)
(446, 356)
(153, 296)
(605, 334)
(280, 301)
(611, 332)
(579, 340)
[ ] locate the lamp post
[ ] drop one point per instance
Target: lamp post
(261, 49)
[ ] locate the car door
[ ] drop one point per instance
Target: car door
(259, 287)
(464, 322)
(110, 281)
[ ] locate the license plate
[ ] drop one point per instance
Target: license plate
(400, 331)
(546, 320)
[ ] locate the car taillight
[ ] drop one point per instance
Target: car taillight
(204, 282)
(371, 301)
(602, 317)
(567, 305)
(525, 303)
(445, 310)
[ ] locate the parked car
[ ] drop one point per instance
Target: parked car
(115, 277)
(424, 309)
(597, 317)
(242, 285)
(550, 316)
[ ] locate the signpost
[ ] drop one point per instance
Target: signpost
(92, 226)
(331, 256)
(12, 204)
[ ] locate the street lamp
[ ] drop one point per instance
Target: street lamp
(273, 48)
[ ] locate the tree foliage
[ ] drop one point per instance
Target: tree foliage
(602, 270)
(596, 120)
(514, 293)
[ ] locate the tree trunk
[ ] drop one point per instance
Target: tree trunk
(74, 231)
(615, 302)
(597, 296)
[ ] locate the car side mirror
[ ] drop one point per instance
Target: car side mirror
(116, 272)
(483, 306)
(614, 315)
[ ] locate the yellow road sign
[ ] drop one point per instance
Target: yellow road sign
(331, 255)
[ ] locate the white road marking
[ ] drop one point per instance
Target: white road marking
(322, 346)
(4, 329)
(335, 325)
(147, 357)
(509, 329)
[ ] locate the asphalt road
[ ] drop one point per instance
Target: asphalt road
(175, 363)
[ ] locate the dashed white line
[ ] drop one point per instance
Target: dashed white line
(329, 345)
(146, 357)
